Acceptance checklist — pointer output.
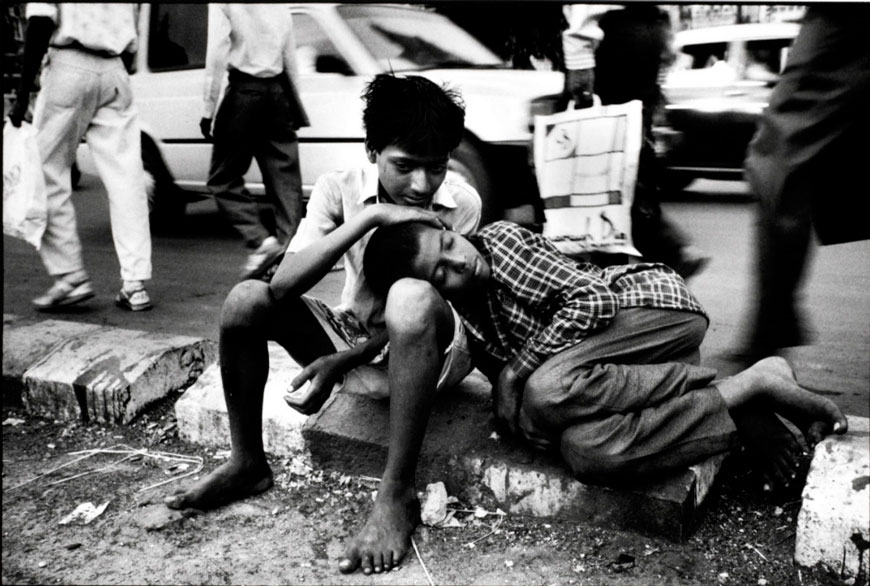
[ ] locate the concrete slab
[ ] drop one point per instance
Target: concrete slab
(462, 450)
(99, 373)
(202, 412)
(833, 526)
(25, 340)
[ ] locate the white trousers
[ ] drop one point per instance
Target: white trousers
(86, 96)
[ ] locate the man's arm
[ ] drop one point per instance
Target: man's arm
(36, 39)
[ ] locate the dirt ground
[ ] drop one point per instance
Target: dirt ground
(294, 533)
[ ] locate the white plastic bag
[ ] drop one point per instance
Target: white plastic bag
(586, 163)
(24, 198)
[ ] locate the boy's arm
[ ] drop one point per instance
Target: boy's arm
(576, 295)
(328, 370)
(300, 271)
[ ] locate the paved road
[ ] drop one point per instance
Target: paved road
(193, 273)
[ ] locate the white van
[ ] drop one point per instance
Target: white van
(340, 47)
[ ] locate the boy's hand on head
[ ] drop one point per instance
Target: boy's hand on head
(391, 213)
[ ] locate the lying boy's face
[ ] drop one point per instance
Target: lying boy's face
(450, 263)
(409, 179)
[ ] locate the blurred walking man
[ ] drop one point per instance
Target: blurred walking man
(85, 93)
(258, 118)
(806, 164)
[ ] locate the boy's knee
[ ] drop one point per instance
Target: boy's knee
(245, 302)
(537, 397)
(413, 306)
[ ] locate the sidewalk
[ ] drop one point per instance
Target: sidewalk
(67, 370)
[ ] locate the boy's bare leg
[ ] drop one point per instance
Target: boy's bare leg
(767, 387)
(420, 325)
(248, 320)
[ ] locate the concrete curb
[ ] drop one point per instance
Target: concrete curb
(68, 370)
(833, 526)
(461, 449)
(202, 411)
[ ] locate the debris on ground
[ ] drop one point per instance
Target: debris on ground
(84, 513)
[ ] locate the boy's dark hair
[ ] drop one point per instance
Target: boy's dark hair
(412, 113)
(390, 254)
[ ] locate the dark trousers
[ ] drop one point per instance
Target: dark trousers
(807, 163)
(630, 401)
(254, 121)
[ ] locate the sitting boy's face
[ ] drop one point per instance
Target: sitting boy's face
(409, 179)
(450, 263)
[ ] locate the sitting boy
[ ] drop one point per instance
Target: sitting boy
(601, 364)
(411, 125)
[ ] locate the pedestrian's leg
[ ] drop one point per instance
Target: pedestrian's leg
(237, 128)
(783, 233)
(115, 143)
(62, 113)
(420, 326)
(278, 157)
(249, 319)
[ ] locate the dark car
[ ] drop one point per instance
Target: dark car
(716, 91)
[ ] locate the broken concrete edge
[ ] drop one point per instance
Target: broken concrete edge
(526, 483)
(69, 370)
(833, 525)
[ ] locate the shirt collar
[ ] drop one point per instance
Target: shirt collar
(369, 192)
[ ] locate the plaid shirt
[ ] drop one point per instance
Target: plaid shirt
(540, 302)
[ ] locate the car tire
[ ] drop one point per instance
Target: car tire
(467, 162)
(166, 201)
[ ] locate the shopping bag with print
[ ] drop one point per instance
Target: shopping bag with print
(24, 198)
(586, 164)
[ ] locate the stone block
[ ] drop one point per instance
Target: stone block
(110, 375)
(833, 526)
(25, 340)
(462, 450)
(202, 412)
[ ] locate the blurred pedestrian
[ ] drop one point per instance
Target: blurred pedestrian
(806, 162)
(579, 41)
(258, 118)
(85, 93)
(633, 54)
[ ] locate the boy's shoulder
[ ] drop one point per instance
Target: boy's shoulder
(461, 191)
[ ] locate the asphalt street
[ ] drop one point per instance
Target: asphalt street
(194, 270)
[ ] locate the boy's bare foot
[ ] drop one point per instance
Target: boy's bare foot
(772, 449)
(227, 483)
(814, 415)
(385, 538)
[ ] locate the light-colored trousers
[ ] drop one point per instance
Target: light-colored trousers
(86, 96)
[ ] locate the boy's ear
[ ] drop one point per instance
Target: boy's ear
(371, 154)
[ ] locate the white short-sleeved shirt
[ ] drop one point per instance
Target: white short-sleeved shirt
(341, 195)
(110, 27)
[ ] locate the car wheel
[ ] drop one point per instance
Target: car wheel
(166, 200)
(467, 162)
